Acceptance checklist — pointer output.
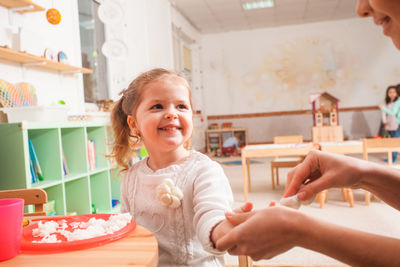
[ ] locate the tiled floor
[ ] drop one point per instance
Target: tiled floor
(377, 218)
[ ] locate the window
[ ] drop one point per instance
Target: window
(92, 38)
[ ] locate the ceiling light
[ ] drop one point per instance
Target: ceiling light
(258, 4)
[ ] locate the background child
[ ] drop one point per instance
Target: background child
(389, 112)
(231, 146)
(180, 195)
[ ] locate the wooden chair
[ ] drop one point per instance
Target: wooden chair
(36, 196)
(245, 261)
(284, 162)
(372, 145)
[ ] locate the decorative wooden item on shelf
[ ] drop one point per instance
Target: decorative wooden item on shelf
(333, 118)
(319, 119)
(21, 6)
(325, 106)
(40, 62)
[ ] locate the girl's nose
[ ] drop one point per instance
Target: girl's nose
(363, 8)
(170, 116)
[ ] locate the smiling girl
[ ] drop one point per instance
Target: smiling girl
(180, 195)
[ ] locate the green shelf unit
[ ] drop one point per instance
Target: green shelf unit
(46, 143)
(75, 150)
(56, 193)
(78, 190)
(14, 169)
(77, 197)
(116, 180)
(99, 136)
(98, 182)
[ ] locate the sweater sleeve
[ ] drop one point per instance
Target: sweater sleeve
(212, 197)
(394, 110)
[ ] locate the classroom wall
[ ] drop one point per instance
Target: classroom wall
(38, 34)
(145, 29)
(276, 69)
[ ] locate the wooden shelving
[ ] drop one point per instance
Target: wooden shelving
(21, 6)
(39, 62)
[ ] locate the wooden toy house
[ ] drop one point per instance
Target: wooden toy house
(325, 108)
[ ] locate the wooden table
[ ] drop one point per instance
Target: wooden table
(271, 150)
(139, 248)
(345, 147)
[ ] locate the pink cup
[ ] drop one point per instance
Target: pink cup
(11, 214)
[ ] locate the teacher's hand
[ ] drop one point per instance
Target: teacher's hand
(262, 234)
(322, 170)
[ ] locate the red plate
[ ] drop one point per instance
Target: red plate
(27, 246)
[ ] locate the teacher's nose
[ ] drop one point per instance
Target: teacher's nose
(363, 8)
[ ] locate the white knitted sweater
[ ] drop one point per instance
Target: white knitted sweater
(183, 234)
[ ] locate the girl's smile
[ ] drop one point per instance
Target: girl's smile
(164, 115)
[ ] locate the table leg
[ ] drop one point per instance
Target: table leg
(367, 198)
(351, 197)
(245, 261)
(245, 183)
(248, 174)
(322, 198)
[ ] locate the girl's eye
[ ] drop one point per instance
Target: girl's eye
(182, 106)
(157, 106)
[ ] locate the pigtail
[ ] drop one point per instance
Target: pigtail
(121, 150)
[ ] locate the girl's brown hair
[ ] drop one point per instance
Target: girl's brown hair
(127, 105)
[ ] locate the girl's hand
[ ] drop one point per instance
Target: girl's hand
(322, 170)
(380, 106)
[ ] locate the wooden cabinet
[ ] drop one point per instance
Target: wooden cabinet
(215, 138)
(72, 192)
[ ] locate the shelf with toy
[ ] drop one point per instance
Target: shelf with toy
(100, 199)
(39, 62)
(21, 6)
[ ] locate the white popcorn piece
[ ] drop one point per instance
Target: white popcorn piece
(294, 202)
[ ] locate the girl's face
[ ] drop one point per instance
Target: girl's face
(164, 115)
(392, 93)
(385, 13)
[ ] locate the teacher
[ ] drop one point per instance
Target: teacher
(265, 233)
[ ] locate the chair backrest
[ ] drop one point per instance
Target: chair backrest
(34, 196)
(389, 145)
(290, 139)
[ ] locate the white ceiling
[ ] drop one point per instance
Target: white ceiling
(213, 16)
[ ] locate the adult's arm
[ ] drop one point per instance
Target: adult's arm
(322, 170)
(265, 233)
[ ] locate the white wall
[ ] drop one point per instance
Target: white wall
(37, 35)
(276, 69)
(146, 30)
(194, 44)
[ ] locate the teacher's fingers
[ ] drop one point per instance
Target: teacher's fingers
(238, 218)
(296, 177)
(246, 207)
